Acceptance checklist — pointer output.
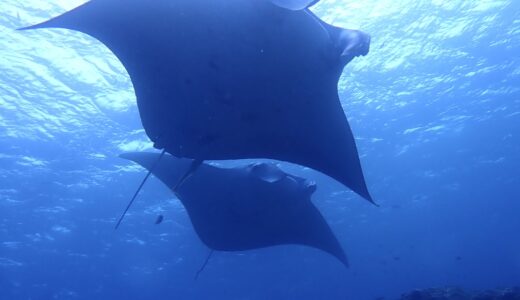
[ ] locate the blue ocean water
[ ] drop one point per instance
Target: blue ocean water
(435, 108)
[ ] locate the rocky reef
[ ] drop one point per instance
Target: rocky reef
(455, 293)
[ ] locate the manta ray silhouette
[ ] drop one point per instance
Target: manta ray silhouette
(247, 207)
(233, 79)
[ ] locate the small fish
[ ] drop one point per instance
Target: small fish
(159, 219)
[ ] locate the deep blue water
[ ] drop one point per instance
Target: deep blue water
(435, 108)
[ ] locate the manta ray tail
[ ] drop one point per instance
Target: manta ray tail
(204, 265)
(139, 189)
(193, 167)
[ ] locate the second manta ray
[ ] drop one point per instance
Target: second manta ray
(233, 79)
(246, 208)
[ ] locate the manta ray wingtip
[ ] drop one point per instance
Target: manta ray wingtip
(125, 155)
(132, 156)
(35, 26)
(26, 28)
(363, 192)
(344, 261)
(369, 198)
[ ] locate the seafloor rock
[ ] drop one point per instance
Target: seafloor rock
(454, 293)
(451, 293)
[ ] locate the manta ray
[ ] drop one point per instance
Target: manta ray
(245, 207)
(234, 79)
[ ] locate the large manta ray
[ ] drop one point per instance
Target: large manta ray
(247, 207)
(233, 79)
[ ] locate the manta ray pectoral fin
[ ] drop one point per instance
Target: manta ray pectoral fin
(294, 4)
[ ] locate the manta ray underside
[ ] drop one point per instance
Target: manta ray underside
(247, 207)
(233, 79)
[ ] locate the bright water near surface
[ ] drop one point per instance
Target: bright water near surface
(435, 109)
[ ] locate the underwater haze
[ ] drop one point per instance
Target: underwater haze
(434, 107)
